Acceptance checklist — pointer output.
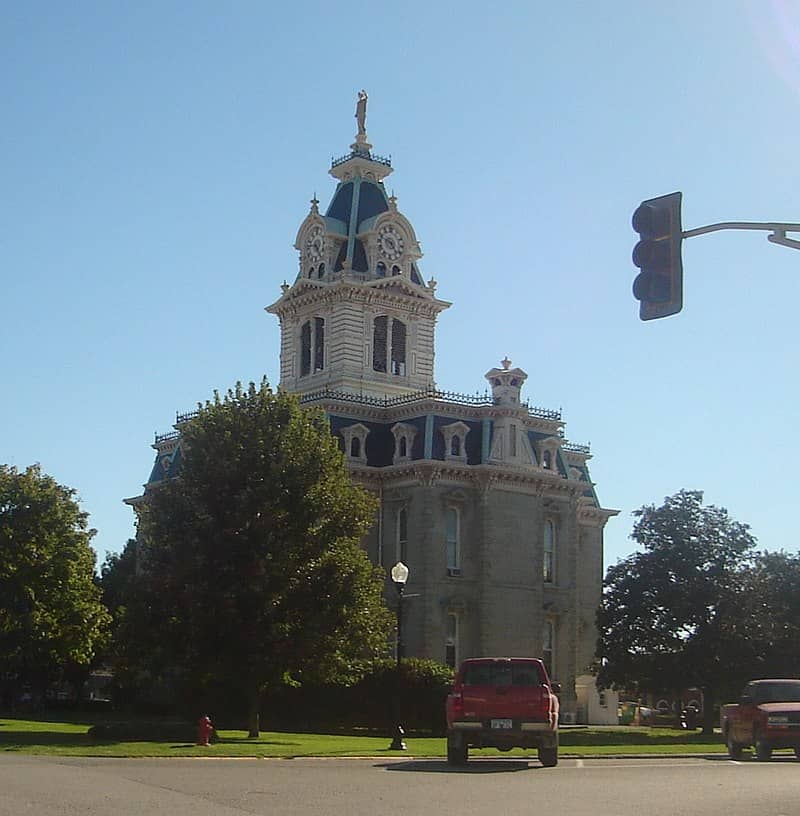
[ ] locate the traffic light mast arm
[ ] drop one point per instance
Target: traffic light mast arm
(778, 231)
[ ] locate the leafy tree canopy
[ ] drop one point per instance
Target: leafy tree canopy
(671, 615)
(253, 569)
(50, 609)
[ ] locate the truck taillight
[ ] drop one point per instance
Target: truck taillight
(457, 703)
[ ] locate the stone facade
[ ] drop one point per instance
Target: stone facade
(493, 511)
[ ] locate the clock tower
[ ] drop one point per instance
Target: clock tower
(358, 319)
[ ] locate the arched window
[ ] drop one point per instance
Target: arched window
(395, 270)
(310, 271)
(355, 447)
(549, 552)
(402, 535)
(398, 347)
(321, 271)
(380, 269)
(312, 346)
(389, 345)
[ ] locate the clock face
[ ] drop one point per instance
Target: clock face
(390, 242)
(315, 243)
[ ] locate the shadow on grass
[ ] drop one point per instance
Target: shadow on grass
(13, 739)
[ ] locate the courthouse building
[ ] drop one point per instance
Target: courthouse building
(484, 499)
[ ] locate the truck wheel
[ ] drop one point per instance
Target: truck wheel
(734, 749)
(763, 749)
(457, 750)
(549, 756)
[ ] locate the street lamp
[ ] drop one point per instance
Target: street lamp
(399, 577)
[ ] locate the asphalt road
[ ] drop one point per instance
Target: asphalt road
(223, 787)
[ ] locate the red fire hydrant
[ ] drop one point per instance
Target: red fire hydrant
(204, 730)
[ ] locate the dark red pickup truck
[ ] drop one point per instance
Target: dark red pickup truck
(504, 703)
(766, 717)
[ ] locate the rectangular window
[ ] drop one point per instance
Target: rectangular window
(451, 641)
(548, 647)
(402, 535)
(549, 552)
(452, 541)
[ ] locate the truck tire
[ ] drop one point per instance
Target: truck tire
(734, 749)
(763, 748)
(457, 750)
(548, 756)
(797, 751)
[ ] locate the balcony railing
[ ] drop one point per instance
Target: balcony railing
(384, 160)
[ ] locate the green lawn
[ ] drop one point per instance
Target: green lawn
(62, 738)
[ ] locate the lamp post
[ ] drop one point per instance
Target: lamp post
(399, 577)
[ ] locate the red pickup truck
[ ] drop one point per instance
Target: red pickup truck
(504, 703)
(766, 717)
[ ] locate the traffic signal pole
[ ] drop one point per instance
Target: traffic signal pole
(659, 285)
(778, 230)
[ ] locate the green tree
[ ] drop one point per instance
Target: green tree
(671, 614)
(770, 611)
(51, 616)
(252, 560)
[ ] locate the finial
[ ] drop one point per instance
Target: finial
(284, 287)
(393, 202)
(432, 284)
(506, 363)
(361, 113)
(315, 204)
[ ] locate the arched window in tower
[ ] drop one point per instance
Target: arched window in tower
(355, 447)
(401, 550)
(321, 271)
(455, 446)
(310, 271)
(379, 341)
(380, 269)
(398, 348)
(305, 349)
(549, 552)
(319, 344)
(395, 270)
(312, 346)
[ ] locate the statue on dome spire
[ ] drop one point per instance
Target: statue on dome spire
(361, 112)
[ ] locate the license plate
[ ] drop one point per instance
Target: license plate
(502, 724)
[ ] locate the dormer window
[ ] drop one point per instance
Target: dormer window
(403, 440)
(455, 441)
(355, 442)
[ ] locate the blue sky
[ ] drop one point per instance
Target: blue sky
(157, 158)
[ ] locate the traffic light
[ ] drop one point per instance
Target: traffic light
(659, 286)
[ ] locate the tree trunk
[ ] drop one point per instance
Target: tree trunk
(708, 710)
(253, 715)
